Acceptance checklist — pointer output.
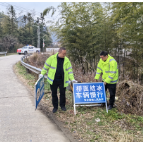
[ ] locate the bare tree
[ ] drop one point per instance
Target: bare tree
(9, 41)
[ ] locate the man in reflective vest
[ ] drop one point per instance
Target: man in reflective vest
(59, 72)
(109, 69)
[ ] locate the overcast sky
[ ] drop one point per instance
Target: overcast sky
(24, 7)
(38, 6)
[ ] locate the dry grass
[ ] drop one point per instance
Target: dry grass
(113, 127)
(37, 59)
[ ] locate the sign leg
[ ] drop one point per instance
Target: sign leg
(35, 97)
(72, 100)
(106, 107)
(74, 109)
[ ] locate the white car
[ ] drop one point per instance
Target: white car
(28, 49)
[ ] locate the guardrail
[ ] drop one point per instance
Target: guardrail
(31, 68)
(1, 53)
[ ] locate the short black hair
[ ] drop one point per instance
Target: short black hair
(62, 48)
(104, 53)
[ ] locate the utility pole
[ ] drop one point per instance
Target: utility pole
(38, 31)
(43, 42)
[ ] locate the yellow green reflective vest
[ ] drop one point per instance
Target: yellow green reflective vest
(109, 70)
(51, 66)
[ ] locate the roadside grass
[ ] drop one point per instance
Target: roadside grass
(92, 124)
(8, 54)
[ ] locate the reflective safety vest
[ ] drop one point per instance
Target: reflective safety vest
(51, 65)
(109, 68)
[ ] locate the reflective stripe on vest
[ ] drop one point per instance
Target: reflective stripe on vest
(50, 79)
(47, 64)
(100, 68)
(50, 66)
(68, 68)
(114, 81)
(70, 72)
(97, 73)
(110, 71)
(110, 77)
(112, 60)
(44, 68)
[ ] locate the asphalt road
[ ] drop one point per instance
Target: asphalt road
(19, 122)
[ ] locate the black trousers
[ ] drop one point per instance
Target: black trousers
(54, 88)
(112, 91)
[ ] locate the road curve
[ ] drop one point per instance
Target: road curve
(19, 122)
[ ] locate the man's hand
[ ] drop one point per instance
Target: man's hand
(104, 83)
(40, 75)
(74, 81)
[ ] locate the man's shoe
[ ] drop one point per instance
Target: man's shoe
(55, 110)
(63, 108)
(110, 107)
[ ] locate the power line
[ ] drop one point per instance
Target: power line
(3, 4)
(25, 10)
(20, 20)
(21, 8)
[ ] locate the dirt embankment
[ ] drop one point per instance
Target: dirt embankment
(130, 98)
